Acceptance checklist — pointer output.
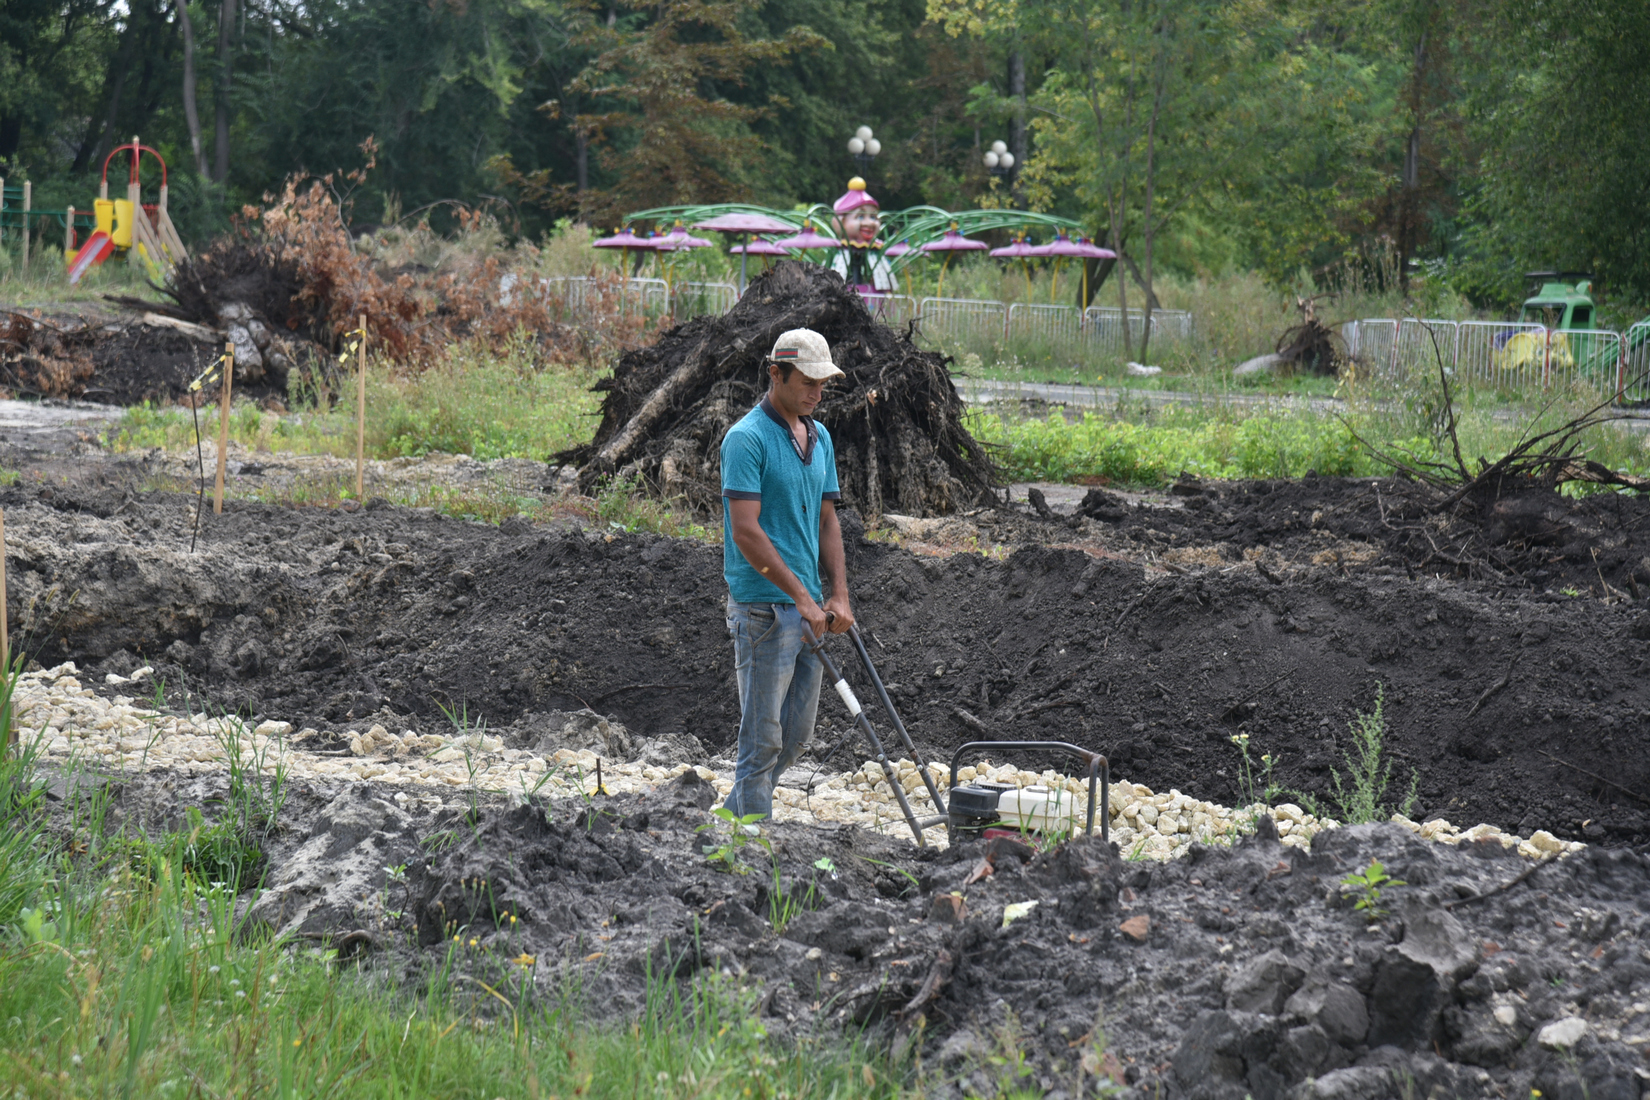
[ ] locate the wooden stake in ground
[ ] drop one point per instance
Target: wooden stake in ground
(28, 203)
(5, 628)
(223, 426)
(361, 409)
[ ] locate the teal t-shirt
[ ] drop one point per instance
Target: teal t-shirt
(761, 461)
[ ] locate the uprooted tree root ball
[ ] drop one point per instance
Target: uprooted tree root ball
(896, 419)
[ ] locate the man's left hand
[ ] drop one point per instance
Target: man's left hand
(838, 615)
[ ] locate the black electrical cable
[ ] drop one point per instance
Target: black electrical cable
(196, 387)
(200, 465)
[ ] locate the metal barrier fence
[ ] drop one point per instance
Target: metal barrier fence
(1370, 343)
(1635, 364)
(1103, 327)
(688, 299)
(1589, 357)
(1172, 324)
(1055, 324)
(893, 310)
(1421, 345)
(1496, 354)
(962, 318)
(575, 297)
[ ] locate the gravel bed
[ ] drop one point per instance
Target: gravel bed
(73, 723)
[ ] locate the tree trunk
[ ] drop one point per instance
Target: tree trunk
(191, 110)
(1159, 89)
(1408, 203)
(226, 74)
(1017, 125)
(1122, 295)
(1140, 281)
(114, 84)
(581, 149)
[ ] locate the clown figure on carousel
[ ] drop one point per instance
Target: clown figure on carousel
(861, 262)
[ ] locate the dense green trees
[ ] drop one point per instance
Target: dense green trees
(1476, 138)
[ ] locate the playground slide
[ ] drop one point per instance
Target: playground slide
(97, 248)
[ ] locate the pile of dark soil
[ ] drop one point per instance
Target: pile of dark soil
(1233, 972)
(126, 359)
(896, 420)
(1525, 535)
(1524, 710)
(41, 359)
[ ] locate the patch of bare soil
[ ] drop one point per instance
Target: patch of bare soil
(1525, 710)
(1526, 536)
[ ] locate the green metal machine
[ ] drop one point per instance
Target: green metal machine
(1560, 305)
(1564, 305)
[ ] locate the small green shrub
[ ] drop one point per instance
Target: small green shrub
(222, 852)
(1366, 886)
(1360, 796)
(743, 832)
(1120, 451)
(622, 505)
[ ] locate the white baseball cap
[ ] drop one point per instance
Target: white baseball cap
(808, 352)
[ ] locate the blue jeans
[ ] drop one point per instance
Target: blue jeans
(779, 680)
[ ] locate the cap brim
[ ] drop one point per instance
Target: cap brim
(821, 371)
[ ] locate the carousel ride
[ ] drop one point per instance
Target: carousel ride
(867, 247)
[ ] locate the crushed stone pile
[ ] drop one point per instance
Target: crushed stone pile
(896, 419)
(71, 725)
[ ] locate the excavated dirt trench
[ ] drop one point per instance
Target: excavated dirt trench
(1522, 709)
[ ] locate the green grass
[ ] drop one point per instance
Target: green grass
(135, 978)
(1148, 447)
(46, 281)
(511, 405)
(620, 506)
(1150, 452)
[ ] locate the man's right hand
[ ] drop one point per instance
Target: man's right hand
(814, 616)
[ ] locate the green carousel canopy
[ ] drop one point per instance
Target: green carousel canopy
(912, 227)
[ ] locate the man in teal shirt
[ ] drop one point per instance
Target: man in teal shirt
(779, 527)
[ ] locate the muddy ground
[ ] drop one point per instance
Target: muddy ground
(1519, 708)
(1155, 632)
(1233, 972)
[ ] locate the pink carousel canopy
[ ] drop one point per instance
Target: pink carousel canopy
(953, 241)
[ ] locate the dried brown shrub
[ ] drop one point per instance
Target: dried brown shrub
(481, 291)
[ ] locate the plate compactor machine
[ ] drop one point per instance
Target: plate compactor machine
(976, 808)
